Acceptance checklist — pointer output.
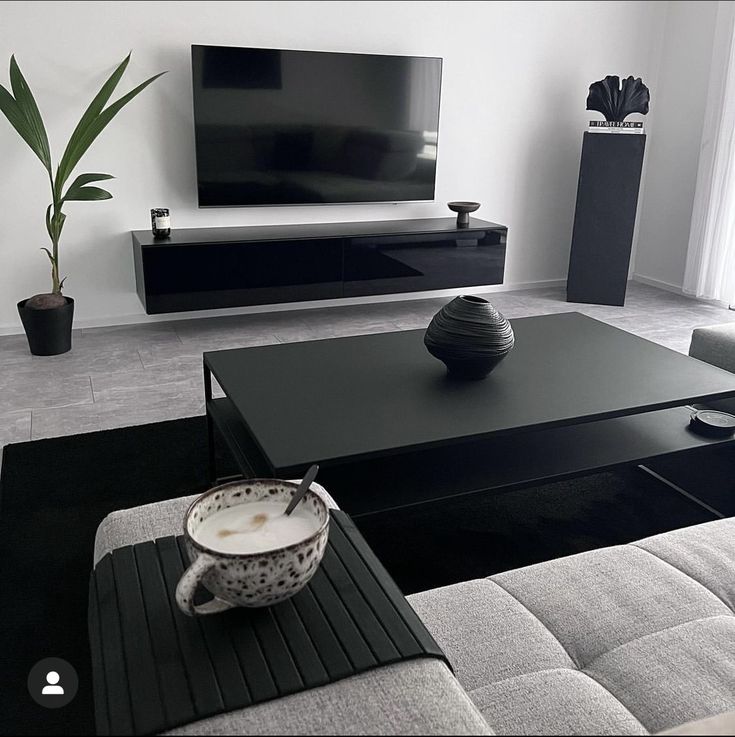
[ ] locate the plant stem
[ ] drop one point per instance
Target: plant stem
(55, 281)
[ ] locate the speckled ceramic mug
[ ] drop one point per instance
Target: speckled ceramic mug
(249, 579)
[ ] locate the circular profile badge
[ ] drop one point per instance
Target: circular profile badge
(53, 683)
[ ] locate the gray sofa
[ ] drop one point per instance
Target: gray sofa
(633, 639)
(715, 344)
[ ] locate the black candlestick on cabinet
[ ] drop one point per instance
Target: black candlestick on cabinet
(607, 199)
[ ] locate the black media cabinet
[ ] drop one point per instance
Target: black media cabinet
(209, 268)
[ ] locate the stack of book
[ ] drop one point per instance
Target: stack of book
(611, 126)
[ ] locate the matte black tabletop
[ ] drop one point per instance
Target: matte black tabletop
(373, 395)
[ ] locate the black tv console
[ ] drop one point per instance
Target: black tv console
(209, 268)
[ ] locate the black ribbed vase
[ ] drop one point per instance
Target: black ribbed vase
(470, 336)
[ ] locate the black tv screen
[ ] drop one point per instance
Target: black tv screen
(278, 127)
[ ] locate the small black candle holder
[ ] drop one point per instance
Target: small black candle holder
(160, 222)
(463, 210)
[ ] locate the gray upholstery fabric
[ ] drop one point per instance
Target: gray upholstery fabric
(130, 526)
(640, 638)
(480, 628)
(720, 724)
(675, 675)
(600, 600)
(706, 554)
(417, 697)
(715, 345)
(627, 640)
(554, 702)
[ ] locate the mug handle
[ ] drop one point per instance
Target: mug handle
(188, 584)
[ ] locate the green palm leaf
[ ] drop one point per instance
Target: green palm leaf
(10, 108)
(27, 105)
(94, 109)
(81, 180)
(86, 194)
(83, 139)
(19, 107)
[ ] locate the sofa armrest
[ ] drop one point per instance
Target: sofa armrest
(414, 697)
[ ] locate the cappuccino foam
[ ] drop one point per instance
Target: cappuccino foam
(255, 527)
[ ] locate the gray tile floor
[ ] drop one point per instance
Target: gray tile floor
(131, 375)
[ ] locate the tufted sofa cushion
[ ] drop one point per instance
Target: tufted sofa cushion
(633, 639)
(626, 640)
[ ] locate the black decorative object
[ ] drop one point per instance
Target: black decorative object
(607, 200)
(160, 222)
(712, 423)
(470, 336)
(48, 330)
(616, 102)
(463, 210)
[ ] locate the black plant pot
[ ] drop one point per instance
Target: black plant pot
(470, 337)
(48, 331)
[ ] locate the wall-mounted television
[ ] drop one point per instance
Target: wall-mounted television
(281, 127)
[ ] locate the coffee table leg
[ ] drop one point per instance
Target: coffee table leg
(683, 492)
(210, 424)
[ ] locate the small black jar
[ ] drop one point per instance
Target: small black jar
(160, 222)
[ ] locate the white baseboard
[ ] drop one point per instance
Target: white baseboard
(142, 318)
(658, 283)
(679, 290)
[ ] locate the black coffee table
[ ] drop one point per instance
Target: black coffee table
(390, 429)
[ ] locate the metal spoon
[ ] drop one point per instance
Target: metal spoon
(309, 476)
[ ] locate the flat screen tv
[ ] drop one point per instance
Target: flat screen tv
(277, 127)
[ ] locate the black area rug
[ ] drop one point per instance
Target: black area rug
(54, 493)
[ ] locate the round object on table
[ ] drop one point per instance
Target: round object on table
(470, 337)
(713, 422)
(463, 210)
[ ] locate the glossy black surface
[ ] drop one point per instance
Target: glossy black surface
(424, 261)
(282, 127)
(206, 268)
(234, 274)
(373, 396)
(309, 231)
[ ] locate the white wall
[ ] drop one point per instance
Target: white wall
(674, 141)
(514, 89)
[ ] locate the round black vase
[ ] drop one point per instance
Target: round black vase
(48, 331)
(470, 337)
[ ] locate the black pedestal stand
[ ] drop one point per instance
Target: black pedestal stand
(607, 199)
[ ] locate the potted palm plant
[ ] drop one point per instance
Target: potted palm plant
(47, 318)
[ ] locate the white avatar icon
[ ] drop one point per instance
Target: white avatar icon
(52, 678)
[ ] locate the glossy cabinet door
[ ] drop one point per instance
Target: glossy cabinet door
(423, 261)
(217, 275)
(211, 268)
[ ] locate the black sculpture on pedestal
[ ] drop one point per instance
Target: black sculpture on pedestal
(607, 195)
(616, 102)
